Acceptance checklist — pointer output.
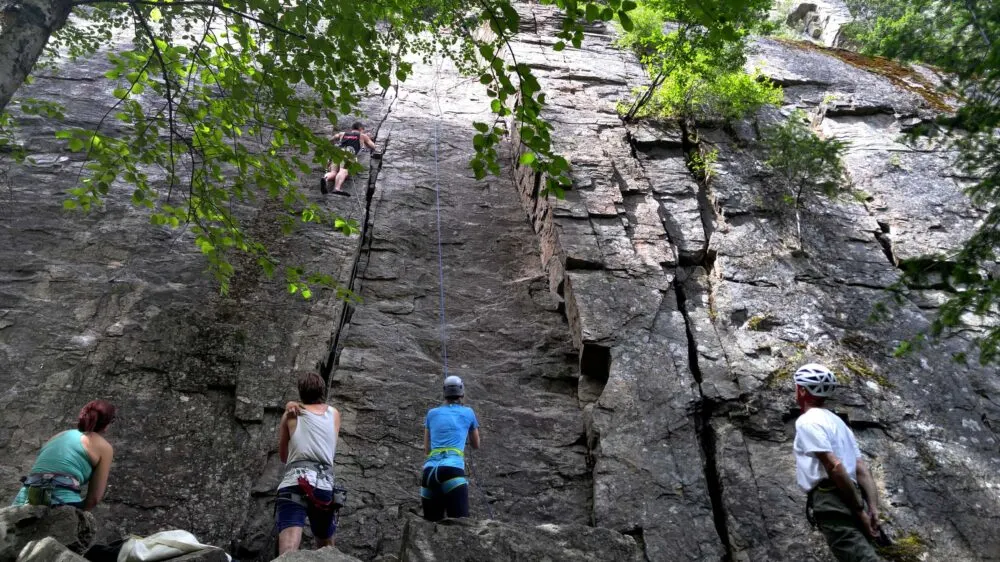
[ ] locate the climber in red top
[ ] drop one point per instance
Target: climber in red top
(338, 172)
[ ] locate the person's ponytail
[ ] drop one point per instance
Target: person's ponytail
(96, 416)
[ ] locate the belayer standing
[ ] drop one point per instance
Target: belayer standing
(307, 444)
(829, 468)
(338, 172)
(71, 459)
(444, 489)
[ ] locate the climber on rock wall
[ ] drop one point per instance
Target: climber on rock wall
(829, 468)
(338, 171)
(71, 459)
(444, 490)
(307, 444)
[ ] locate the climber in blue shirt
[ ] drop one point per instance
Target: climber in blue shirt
(444, 489)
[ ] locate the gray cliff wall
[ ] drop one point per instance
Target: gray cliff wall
(627, 349)
(690, 308)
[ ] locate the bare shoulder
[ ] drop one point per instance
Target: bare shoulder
(102, 442)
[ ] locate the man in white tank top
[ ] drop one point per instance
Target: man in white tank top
(307, 444)
(829, 468)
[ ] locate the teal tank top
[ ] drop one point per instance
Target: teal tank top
(64, 454)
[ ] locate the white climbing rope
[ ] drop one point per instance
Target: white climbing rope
(473, 473)
(437, 205)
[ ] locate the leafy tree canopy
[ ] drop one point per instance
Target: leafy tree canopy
(697, 50)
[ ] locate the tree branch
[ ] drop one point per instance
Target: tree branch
(204, 3)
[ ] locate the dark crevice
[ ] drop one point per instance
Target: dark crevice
(692, 346)
(704, 431)
(691, 146)
(595, 369)
(640, 539)
(706, 438)
(577, 264)
(883, 236)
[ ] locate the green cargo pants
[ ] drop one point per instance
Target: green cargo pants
(841, 528)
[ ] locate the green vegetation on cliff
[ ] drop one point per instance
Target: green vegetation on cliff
(695, 54)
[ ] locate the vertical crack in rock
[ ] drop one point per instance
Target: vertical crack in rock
(884, 237)
(364, 249)
(691, 147)
(703, 428)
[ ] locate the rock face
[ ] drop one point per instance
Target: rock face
(692, 309)
(820, 20)
(328, 554)
(469, 541)
(48, 550)
(628, 350)
(66, 526)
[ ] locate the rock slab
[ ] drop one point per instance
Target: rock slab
(20, 525)
(468, 540)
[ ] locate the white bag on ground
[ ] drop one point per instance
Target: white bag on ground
(161, 546)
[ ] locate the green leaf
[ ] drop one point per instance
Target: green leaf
(481, 127)
(527, 158)
(559, 45)
(155, 14)
(626, 21)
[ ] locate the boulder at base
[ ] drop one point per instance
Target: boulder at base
(328, 554)
(22, 524)
(48, 550)
(468, 540)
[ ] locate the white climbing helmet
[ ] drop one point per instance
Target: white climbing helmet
(816, 379)
(453, 387)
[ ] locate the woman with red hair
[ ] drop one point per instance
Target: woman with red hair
(71, 459)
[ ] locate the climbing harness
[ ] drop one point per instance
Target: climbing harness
(440, 453)
(338, 500)
(40, 486)
(446, 487)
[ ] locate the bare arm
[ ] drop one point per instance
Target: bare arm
(99, 479)
(845, 487)
(338, 136)
(368, 142)
(336, 423)
(870, 491)
(427, 441)
(474, 438)
(283, 436)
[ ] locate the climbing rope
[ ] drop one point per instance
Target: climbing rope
(437, 206)
(473, 480)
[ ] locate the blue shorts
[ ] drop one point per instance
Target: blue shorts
(290, 513)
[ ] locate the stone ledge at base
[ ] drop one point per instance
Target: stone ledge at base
(68, 526)
(468, 540)
(48, 550)
(328, 554)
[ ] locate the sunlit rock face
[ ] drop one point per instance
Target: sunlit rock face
(627, 349)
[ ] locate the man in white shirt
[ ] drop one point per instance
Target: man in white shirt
(829, 468)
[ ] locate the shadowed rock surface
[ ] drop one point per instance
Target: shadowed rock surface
(66, 526)
(48, 550)
(468, 541)
(628, 349)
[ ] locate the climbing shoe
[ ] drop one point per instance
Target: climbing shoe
(341, 192)
(322, 185)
